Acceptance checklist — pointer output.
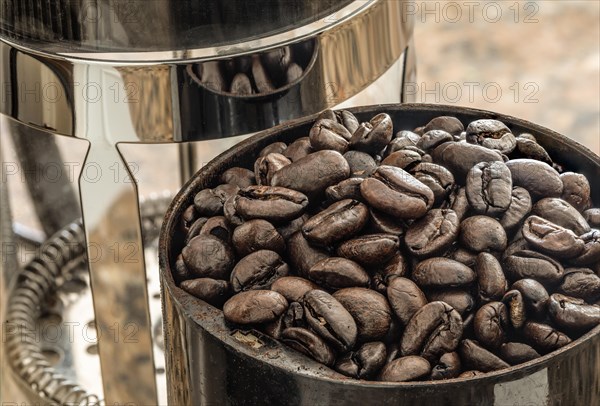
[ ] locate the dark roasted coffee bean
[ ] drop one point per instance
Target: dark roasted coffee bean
(457, 201)
(527, 136)
(471, 374)
(543, 337)
(339, 221)
(592, 216)
(463, 255)
(433, 138)
(373, 136)
(208, 257)
(403, 159)
(347, 119)
(576, 190)
(581, 283)
(432, 234)
(520, 206)
(491, 281)
(271, 203)
(436, 177)
(402, 140)
(460, 300)
(551, 238)
(526, 264)
(329, 319)
(492, 134)
(346, 189)
(478, 358)
(208, 203)
(277, 61)
(460, 157)
(371, 249)
(274, 148)
(490, 324)
(386, 224)
(534, 295)
(263, 82)
(517, 353)
(329, 135)
(447, 368)
(365, 363)
(293, 288)
(513, 299)
(573, 314)
(539, 178)
(212, 291)
(481, 233)
(286, 230)
(231, 214)
(361, 163)
(308, 343)
(257, 235)
(394, 268)
(266, 166)
(405, 297)
(180, 271)
(254, 307)
(369, 309)
(258, 270)
(489, 188)
(449, 124)
(442, 273)
(241, 85)
(195, 229)
(298, 149)
(404, 369)
(217, 227)
(312, 174)
(561, 213)
(293, 73)
(433, 330)
(397, 193)
(240, 177)
(188, 217)
(591, 249)
(302, 255)
(527, 148)
(294, 316)
(338, 273)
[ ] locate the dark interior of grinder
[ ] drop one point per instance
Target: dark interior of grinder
(400, 254)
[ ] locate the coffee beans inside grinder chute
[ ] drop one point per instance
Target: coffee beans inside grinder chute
(400, 254)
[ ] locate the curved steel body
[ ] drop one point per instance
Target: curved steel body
(209, 363)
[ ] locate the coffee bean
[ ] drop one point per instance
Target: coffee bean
(581, 283)
(576, 190)
(338, 273)
(266, 166)
(433, 330)
(489, 188)
(371, 249)
(539, 178)
(209, 202)
(277, 61)
(457, 201)
(403, 159)
(195, 229)
(294, 316)
(212, 291)
(257, 235)
(481, 233)
(404, 369)
(520, 206)
(330, 320)
(313, 173)
(329, 135)
(293, 288)
(592, 216)
(274, 148)
(433, 138)
(369, 309)
(591, 249)
(491, 281)
(461, 300)
(308, 343)
(298, 149)
(263, 82)
(180, 271)
(397, 193)
(513, 299)
(478, 358)
(208, 257)
(365, 363)
(346, 189)
(462, 255)
(339, 221)
(447, 368)
(526, 264)
(240, 177)
(517, 353)
(437, 178)
(534, 295)
(230, 213)
(552, 239)
(432, 234)
(543, 337)
(573, 314)
(271, 203)
(490, 324)
(373, 136)
(442, 273)
(405, 298)
(217, 227)
(302, 255)
(396, 267)
(258, 270)
(385, 224)
(460, 157)
(492, 134)
(471, 374)
(561, 213)
(288, 229)
(361, 163)
(527, 148)
(188, 217)
(449, 124)
(254, 307)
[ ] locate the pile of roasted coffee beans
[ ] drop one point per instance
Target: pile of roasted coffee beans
(430, 254)
(259, 73)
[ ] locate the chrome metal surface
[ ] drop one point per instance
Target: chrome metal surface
(209, 362)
